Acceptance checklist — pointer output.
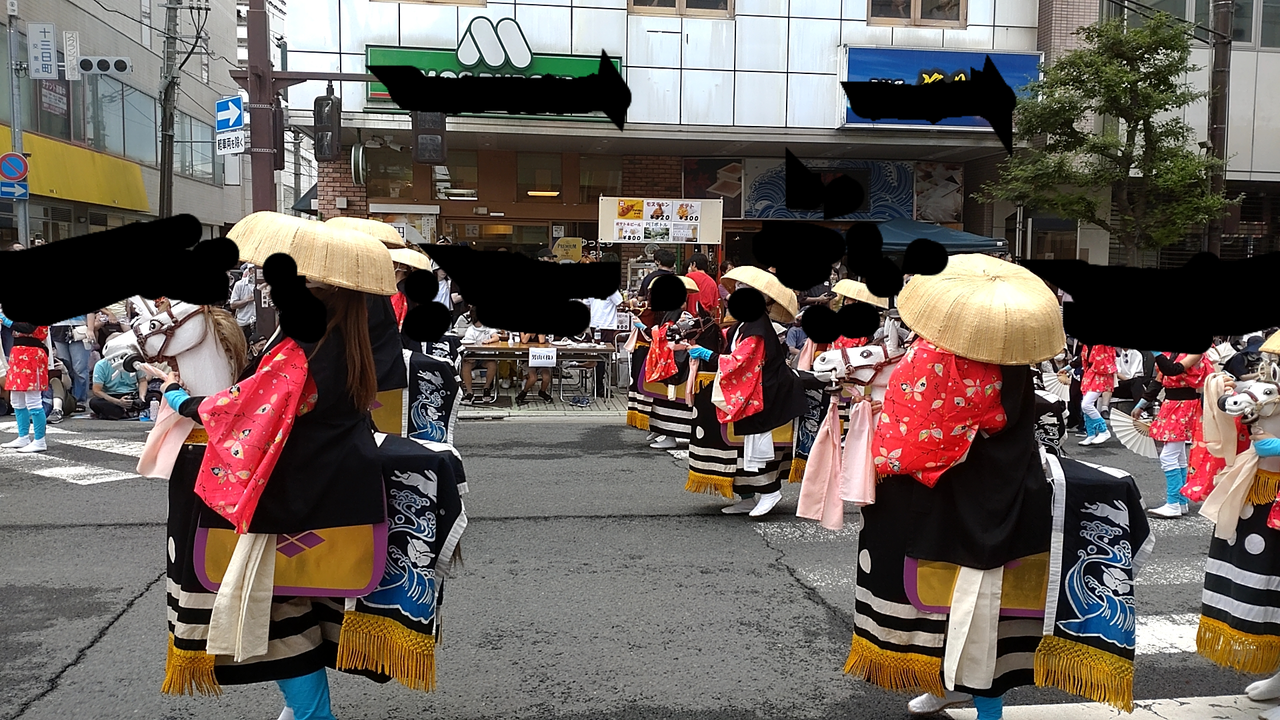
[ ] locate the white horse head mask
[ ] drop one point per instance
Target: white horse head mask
(168, 333)
(867, 366)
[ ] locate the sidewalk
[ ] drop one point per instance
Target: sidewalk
(536, 408)
(1228, 707)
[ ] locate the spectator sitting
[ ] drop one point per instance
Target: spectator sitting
(478, 334)
(116, 393)
(795, 341)
(532, 377)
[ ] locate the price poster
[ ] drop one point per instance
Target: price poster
(658, 220)
(629, 231)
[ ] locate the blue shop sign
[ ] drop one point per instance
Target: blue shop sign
(918, 67)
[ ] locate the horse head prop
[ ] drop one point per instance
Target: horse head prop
(120, 351)
(186, 335)
(1255, 397)
(868, 367)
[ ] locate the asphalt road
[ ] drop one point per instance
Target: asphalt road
(594, 587)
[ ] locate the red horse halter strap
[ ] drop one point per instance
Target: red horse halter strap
(875, 369)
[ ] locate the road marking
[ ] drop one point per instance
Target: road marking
(117, 447)
(1226, 707)
(1161, 634)
(84, 474)
(76, 473)
(679, 454)
(12, 427)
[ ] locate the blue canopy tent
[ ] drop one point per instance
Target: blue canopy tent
(898, 234)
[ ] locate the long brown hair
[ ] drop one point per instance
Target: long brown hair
(348, 312)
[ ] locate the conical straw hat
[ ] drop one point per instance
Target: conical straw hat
(985, 309)
(858, 291)
(785, 306)
(342, 258)
(689, 284)
(410, 257)
(381, 231)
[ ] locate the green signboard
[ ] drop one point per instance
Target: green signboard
(486, 51)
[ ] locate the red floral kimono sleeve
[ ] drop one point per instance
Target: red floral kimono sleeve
(1102, 359)
(935, 406)
(660, 363)
(741, 374)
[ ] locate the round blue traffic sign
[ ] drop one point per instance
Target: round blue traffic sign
(13, 167)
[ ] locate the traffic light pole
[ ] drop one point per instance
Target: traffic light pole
(168, 103)
(15, 127)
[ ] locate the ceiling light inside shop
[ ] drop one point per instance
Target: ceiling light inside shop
(543, 193)
(460, 194)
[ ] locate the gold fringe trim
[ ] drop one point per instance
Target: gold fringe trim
(637, 419)
(703, 380)
(187, 672)
(709, 485)
(381, 645)
(900, 672)
(1254, 654)
(1088, 672)
(1266, 485)
(797, 469)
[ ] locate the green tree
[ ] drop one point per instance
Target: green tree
(1135, 79)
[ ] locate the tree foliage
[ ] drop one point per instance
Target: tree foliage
(1135, 78)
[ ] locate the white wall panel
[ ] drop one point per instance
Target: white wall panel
(546, 28)
(760, 100)
(1016, 13)
(654, 95)
(982, 12)
(366, 23)
(427, 26)
(826, 9)
(813, 101)
(707, 97)
(974, 37)
(553, 3)
(595, 30)
(761, 43)
(853, 9)
(1266, 118)
(610, 4)
(708, 44)
(815, 46)
(1018, 39)
(654, 41)
(857, 32)
(495, 12)
(917, 37)
(316, 29)
(1240, 123)
(776, 8)
(1196, 114)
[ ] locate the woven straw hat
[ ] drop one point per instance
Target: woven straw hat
(858, 291)
(785, 307)
(985, 309)
(689, 284)
(1272, 345)
(388, 235)
(410, 257)
(342, 258)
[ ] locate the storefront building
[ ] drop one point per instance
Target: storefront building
(94, 143)
(719, 91)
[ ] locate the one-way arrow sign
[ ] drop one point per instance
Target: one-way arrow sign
(604, 91)
(230, 114)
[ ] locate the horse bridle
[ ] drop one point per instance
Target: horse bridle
(875, 369)
(167, 331)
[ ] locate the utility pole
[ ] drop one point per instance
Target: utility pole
(1223, 19)
(169, 101)
(297, 165)
(261, 107)
(15, 127)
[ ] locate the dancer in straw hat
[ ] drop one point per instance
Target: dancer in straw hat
(293, 470)
(743, 421)
(961, 483)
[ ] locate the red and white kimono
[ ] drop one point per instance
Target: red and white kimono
(1099, 364)
(28, 361)
(1179, 419)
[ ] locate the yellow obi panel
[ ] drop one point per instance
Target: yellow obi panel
(1025, 586)
(388, 413)
(338, 558)
(197, 436)
(784, 435)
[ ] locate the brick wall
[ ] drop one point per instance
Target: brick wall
(335, 182)
(651, 176)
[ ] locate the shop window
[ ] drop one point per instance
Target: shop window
(459, 177)
(139, 126)
(600, 175)
(706, 8)
(944, 13)
(104, 114)
(538, 177)
(389, 173)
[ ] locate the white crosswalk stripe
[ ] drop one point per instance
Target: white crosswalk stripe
(1230, 707)
(77, 473)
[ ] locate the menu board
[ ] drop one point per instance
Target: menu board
(656, 220)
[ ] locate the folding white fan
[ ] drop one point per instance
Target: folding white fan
(1133, 434)
(1053, 382)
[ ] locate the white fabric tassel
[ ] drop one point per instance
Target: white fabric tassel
(973, 629)
(240, 622)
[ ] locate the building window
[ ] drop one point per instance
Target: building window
(1269, 36)
(139, 126)
(943, 13)
(201, 151)
(389, 172)
(707, 8)
(600, 175)
(459, 177)
(54, 108)
(182, 144)
(1241, 25)
(538, 177)
(104, 114)
(145, 25)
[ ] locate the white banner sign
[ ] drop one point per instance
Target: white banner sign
(231, 143)
(542, 357)
(646, 220)
(42, 51)
(71, 50)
